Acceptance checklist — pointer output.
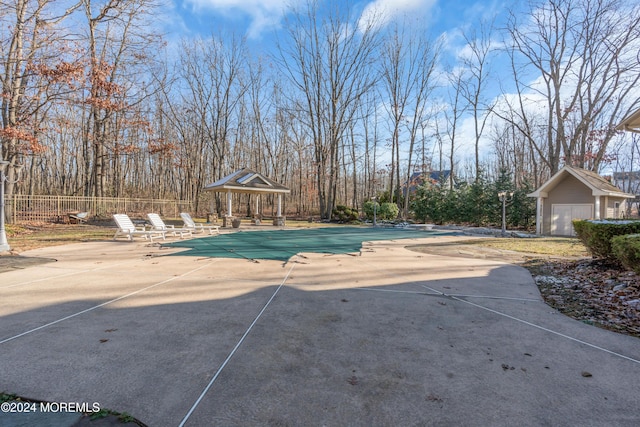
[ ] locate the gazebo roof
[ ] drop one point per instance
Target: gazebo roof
(247, 181)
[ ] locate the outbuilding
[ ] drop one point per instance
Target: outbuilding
(574, 193)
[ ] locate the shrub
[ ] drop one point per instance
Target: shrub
(368, 208)
(627, 250)
(388, 211)
(596, 235)
(344, 214)
(384, 211)
(426, 204)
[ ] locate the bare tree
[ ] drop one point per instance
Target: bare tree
(452, 116)
(475, 59)
(119, 48)
(329, 62)
(212, 86)
(585, 54)
(408, 63)
(370, 136)
(408, 66)
(398, 71)
(511, 152)
(31, 66)
(626, 167)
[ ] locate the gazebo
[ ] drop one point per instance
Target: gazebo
(248, 181)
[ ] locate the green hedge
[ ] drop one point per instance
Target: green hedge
(344, 214)
(389, 211)
(368, 208)
(384, 211)
(596, 235)
(627, 250)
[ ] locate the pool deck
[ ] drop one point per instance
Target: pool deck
(386, 336)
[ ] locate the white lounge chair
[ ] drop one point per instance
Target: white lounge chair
(158, 224)
(197, 228)
(127, 229)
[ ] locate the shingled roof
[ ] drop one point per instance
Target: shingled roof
(598, 185)
(246, 181)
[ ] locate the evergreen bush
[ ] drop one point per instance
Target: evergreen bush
(596, 235)
(475, 203)
(384, 212)
(344, 214)
(626, 249)
(368, 208)
(388, 211)
(429, 204)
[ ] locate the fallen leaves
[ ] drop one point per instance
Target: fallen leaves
(353, 380)
(593, 291)
(434, 398)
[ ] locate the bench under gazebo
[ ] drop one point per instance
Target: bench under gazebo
(247, 181)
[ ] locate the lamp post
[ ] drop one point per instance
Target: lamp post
(503, 196)
(4, 245)
(375, 205)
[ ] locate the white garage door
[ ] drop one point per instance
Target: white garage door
(562, 215)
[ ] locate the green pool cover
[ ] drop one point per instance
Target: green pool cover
(283, 244)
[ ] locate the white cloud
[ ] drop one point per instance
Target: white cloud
(381, 12)
(264, 14)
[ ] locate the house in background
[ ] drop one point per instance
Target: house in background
(418, 179)
(628, 182)
(574, 193)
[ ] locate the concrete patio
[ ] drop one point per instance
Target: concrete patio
(384, 337)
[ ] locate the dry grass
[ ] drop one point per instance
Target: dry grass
(26, 237)
(554, 246)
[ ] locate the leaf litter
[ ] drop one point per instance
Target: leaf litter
(594, 291)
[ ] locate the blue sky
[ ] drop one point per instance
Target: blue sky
(259, 20)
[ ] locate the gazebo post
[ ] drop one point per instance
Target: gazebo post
(279, 211)
(229, 216)
(257, 205)
(279, 219)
